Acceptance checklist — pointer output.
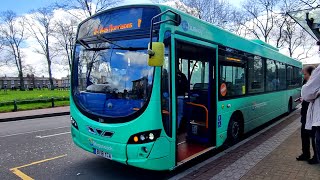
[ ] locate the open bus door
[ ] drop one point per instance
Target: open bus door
(195, 98)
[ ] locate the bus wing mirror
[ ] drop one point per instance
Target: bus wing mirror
(156, 54)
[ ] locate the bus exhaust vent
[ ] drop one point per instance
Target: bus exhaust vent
(91, 130)
(100, 132)
(107, 134)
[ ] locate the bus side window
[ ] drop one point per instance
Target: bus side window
(282, 75)
(232, 72)
(234, 79)
(272, 79)
(256, 75)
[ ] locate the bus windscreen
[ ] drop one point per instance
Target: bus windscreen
(118, 20)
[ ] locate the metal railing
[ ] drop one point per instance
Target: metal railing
(15, 103)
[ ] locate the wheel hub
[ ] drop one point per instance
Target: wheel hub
(235, 129)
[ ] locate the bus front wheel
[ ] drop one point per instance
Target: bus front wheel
(234, 130)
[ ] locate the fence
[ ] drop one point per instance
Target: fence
(15, 103)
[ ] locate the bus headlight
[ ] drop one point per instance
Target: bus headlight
(151, 136)
(144, 137)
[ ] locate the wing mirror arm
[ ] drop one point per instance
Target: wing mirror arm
(176, 21)
(156, 49)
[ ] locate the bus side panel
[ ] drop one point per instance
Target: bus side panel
(265, 108)
(256, 110)
(225, 109)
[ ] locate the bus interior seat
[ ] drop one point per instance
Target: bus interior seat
(199, 95)
(201, 86)
(230, 88)
(195, 113)
(256, 85)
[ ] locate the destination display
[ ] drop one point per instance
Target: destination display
(113, 28)
(118, 20)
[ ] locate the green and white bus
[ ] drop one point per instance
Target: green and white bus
(153, 87)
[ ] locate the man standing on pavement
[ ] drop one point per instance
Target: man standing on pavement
(311, 92)
(306, 135)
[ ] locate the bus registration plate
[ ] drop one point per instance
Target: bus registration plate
(102, 153)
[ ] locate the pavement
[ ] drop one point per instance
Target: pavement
(269, 154)
(31, 114)
(42, 148)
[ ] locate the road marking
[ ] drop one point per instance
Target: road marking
(215, 157)
(34, 131)
(20, 174)
(23, 176)
(58, 134)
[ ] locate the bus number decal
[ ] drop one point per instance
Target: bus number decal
(219, 121)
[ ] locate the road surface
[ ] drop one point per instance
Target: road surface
(43, 149)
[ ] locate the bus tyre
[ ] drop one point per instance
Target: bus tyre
(234, 130)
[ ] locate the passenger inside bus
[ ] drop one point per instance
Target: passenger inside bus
(182, 89)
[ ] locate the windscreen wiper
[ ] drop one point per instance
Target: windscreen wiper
(100, 38)
(88, 48)
(120, 47)
(108, 41)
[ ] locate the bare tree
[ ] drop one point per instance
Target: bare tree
(2, 61)
(296, 42)
(30, 70)
(66, 34)
(260, 17)
(217, 12)
(202, 6)
(236, 22)
(309, 3)
(41, 28)
(282, 20)
(12, 33)
(89, 7)
(289, 35)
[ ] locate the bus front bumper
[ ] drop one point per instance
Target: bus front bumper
(147, 156)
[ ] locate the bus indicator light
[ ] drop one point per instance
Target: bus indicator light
(139, 23)
(135, 139)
